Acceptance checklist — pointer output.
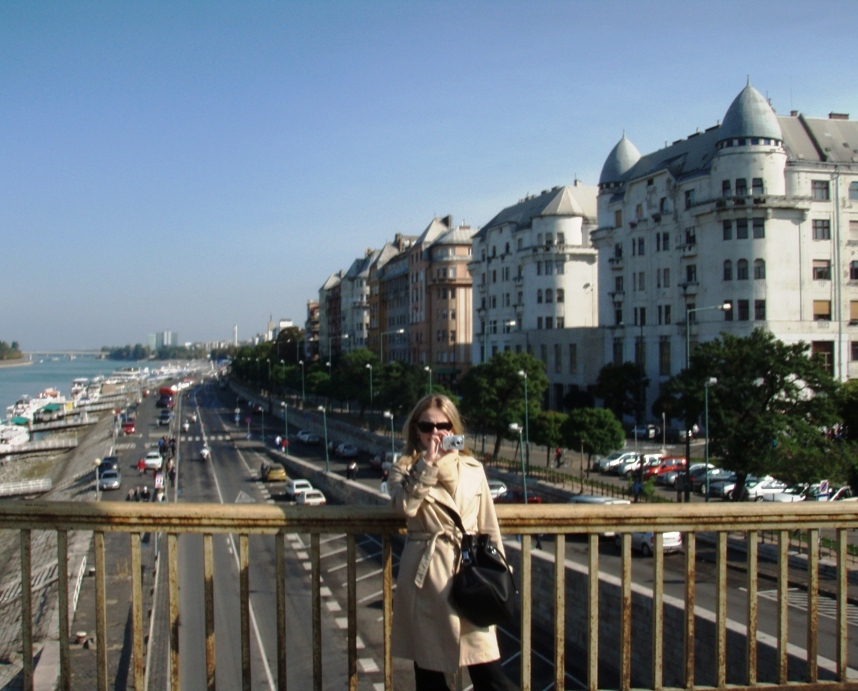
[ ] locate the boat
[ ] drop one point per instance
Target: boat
(12, 436)
(78, 386)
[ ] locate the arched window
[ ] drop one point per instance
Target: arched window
(759, 268)
(549, 295)
(742, 270)
(539, 296)
(728, 270)
(560, 295)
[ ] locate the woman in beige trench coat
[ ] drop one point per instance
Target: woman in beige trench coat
(426, 627)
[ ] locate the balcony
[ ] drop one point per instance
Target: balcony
(616, 262)
(689, 249)
(601, 623)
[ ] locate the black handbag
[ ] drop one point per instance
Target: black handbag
(483, 588)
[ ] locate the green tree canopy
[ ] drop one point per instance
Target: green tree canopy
(769, 410)
(493, 393)
(546, 430)
(596, 430)
(621, 387)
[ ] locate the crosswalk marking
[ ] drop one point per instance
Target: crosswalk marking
(827, 606)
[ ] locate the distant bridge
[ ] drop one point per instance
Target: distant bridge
(70, 354)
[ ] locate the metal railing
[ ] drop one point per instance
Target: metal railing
(581, 612)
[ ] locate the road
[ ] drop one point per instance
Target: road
(231, 475)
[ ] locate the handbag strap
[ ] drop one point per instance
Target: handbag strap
(457, 519)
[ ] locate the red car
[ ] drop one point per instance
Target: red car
(668, 464)
(129, 427)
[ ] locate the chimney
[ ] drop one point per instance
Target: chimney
(793, 113)
(838, 116)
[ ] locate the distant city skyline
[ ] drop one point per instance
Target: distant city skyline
(198, 167)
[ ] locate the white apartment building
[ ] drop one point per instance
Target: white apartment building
(535, 283)
(759, 213)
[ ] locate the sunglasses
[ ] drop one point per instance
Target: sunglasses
(429, 427)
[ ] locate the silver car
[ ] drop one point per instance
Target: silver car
(645, 542)
(109, 479)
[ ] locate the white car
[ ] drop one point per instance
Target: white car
(294, 488)
(605, 464)
(757, 491)
(497, 488)
(645, 542)
(311, 497)
(153, 461)
(307, 437)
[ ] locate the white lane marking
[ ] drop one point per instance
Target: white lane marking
(357, 561)
(367, 665)
(325, 592)
(333, 606)
(333, 552)
(302, 555)
(332, 538)
(342, 622)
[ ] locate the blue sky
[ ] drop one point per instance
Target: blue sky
(188, 166)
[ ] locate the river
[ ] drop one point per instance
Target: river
(48, 373)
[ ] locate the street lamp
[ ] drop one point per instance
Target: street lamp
(327, 452)
(97, 464)
(709, 382)
(724, 307)
(389, 347)
(523, 374)
(429, 369)
(285, 407)
(389, 414)
(515, 427)
(331, 346)
(369, 367)
(301, 362)
(283, 365)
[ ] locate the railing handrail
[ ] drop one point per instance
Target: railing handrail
(355, 519)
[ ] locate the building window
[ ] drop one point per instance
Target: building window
(853, 271)
(728, 270)
(853, 311)
(757, 186)
(549, 295)
(742, 229)
(759, 225)
(618, 283)
(726, 188)
(639, 211)
(618, 250)
(664, 357)
(665, 278)
(559, 268)
(665, 241)
(573, 358)
(822, 270)
(549, 268)
(549, 322)
(741, 187)
(538, 268)
(539, 296)
(744, 310)
(819, 190)
(854, 345)
(759, 310)
(853, 191)
(689, 198)
(618, 219)
(543, 353)
(728, 313)
(667, 314)
(691, 273)
(641, 281)
(560, 323)
(821, 229)
(742, 270)
(728, 230)
(539, 322)
(641, 247)
(821, 310)
(494, 276)
(825, 351)
(690, 236)
(618, 351)
(558, 358)
(494, 301)
(759, 268)
(559, 296)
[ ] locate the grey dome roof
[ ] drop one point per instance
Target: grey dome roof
(750, 115)
(621, 159)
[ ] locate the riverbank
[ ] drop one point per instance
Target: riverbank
(23, 362)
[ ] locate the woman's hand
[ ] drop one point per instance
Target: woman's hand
(434, 452)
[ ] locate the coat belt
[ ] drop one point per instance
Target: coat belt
(429, 550)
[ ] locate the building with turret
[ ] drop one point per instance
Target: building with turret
(750, 223)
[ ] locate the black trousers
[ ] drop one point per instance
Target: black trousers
(488, 676)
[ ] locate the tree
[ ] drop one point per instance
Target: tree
(493, 393)
(621, 388)
(351, 379)
(545, 429)
(596, 430)
(769, 410)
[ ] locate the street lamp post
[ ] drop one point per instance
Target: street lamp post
(327, 452)
(429, 369)
(285, 407)
(301, 362)
(709, 382)
(523, 374)
(371, 400)
(381, 343)
(388, 413)
(97, 465)
(515, 427)
(724, 307)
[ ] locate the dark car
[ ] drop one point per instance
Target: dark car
(516, 496)
(165, 418)
(108, 463)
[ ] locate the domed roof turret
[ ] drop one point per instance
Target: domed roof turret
(621, 159)
(750, 115)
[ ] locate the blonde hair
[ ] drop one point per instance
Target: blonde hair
(413, 446)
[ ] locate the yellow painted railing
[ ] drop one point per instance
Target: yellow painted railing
(640, 614)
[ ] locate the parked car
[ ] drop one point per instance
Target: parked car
(645, 542)
(695, 470)
(296, 487)
(516, 496)
(129, 427)
(608, 462)
(110, 479)
(311, 497)
(497, 488)
(144, 393)
(153, 461)
(643, 462)
(347, 451)
(758, 489)
(108, 463)
(667, 464)
(165, 418)
(598, 499)
(723, 487)
(273, 472)
(698, 480)
(307, 437)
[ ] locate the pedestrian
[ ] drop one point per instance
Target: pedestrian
(144, 494)
(277, 440)
(172, 474)
(425, 482)
(285, 445)
(130, 495)
(136, 494)
(385, 474)
(558, 454)
(352, 470)
(141, 466)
